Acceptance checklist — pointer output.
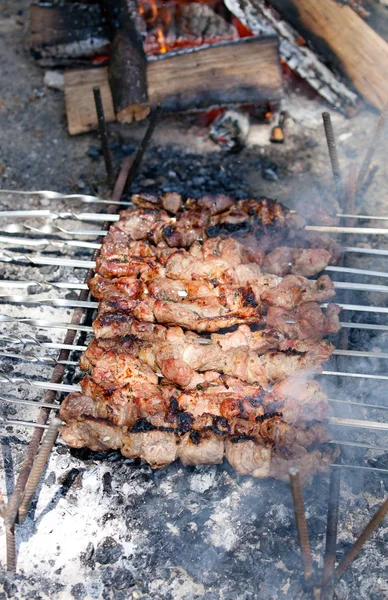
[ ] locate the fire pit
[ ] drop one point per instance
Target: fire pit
(105, 526)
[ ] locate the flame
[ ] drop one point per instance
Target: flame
(160, 18)
(160, 38)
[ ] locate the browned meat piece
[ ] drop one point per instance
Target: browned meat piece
(278, 261)
(171, 201)
(111, 325)
(102, 287)
(308, 321)
(75, 405)
(206, 451)
(94, 433)
(294, 290)
(249, 458)
(141, 224)
(309, 262)
(158, 448)
(127, 266)
(309, 463)
(275, 431)
(299, 400)
(216, 204)
(299, 261)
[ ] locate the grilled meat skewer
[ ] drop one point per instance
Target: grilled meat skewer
(179, 356)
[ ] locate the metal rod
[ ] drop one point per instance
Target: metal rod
(357, 423)
(360, 467)
(49, 195)
(301, 522)
(352, 553)
(358, 445)
(45, 285)
(34, 358)
(350, 230)
(48, 214)
(357, 375)
(361, 354)
(33, 403)
(359, 404)
(331, 145)
(103, 136)
(357, 271)
(331, 533)
(47, 260)
(45, 324)
(57, 244)
(153, 121)
(26, 300)
(20, 423)
(39, 465)
(45, 385)
(372, 148)
(360, 308)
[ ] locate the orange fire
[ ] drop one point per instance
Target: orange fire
(161, 40)
(162, 19)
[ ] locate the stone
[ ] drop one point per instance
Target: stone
(108, 551)
(78, 591)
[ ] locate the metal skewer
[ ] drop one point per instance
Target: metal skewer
(349, 557)
(331, 534)
(44, 324)
(14, 339)
(301, 523)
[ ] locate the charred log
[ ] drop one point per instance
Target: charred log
(128, 63)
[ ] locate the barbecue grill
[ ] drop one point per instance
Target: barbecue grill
(29, 349)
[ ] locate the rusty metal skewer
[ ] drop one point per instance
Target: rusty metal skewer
(349, 557)
(104, 136)
(331, 534)
(153, 121)
(39, 465)
(372, 148)
(331, 145)
(301, 522)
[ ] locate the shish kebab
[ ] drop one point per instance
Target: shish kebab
(180, 417)
(88, 199)
(110, 269)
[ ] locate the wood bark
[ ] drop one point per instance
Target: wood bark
(242, 72)
(339, 34)
(128, 63)
(66, 32)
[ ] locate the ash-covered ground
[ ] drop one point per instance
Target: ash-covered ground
(106, 527)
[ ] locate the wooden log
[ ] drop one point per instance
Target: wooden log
(261, 19)
(242, 72)
(128, 62)
(67, 31)
(339, 34)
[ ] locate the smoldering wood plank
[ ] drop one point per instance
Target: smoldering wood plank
(242, 72)
(339, 34)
